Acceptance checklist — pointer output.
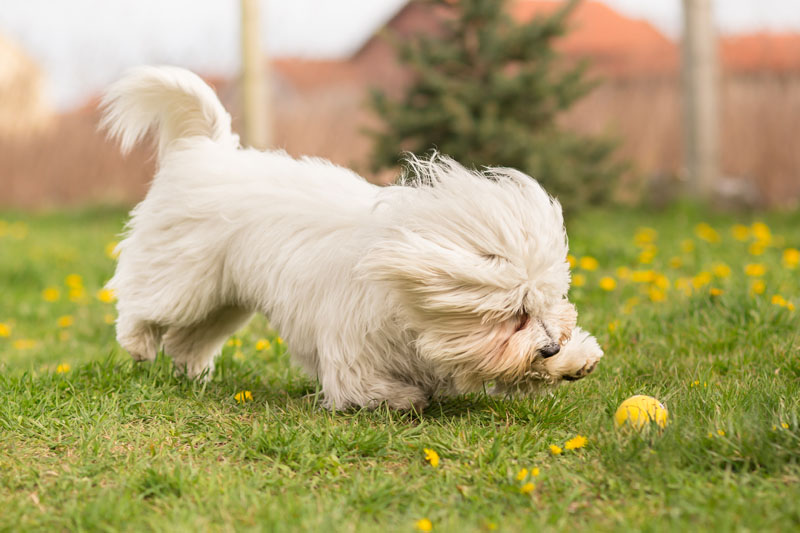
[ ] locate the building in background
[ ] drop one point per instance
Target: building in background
(24, 108)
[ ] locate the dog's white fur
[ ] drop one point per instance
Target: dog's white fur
(440, 285)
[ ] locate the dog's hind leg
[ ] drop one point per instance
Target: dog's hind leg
(193, 348)
(140, 338)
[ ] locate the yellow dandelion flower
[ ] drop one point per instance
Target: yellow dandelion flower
(713, 291)
(740, 232)
(687, 246)
(112, 252)
(791, 258)
(423, 524)
(761, 232)
(705, 232)
(74, 281)
(721, 270)
(233, 341)
(491, 526)
(755, 248)
(623, 272)
(243, 396)
(106, 295)
(555, 450)
(535, 472)
(701, 279)
(431, 457)
(608, 283)
(77, 294)
(579, 441)
(647, 256)
(656, 295)
(5, 330)
(790, 306)
(578, 280)
(755, 270)
(108, 318)
(63, 368)
(24, 344)
(527, 488)
(661, 281)
(65, 321)
(721, 433)
(643, 276)
(263, 344)
(588, 262)
(758, 287)
(522, 474)
(777, 299)
(675, 262)
(279, 340)
(613, 326)
(51, 294)
(644, 236)
(571, 260)
(784, 425)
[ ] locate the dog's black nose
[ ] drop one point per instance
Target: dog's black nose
(550, 350)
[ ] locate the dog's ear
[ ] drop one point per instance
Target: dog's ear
(442, 277)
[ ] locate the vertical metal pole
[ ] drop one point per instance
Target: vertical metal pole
(700, 96)
(255, 83)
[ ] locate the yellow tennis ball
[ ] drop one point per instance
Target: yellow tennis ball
(638, 411)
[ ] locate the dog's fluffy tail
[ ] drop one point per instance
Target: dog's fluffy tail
(171, 101)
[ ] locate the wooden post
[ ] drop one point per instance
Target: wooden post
(255, 82)
(700, 96)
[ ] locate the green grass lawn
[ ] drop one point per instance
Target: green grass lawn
(91, 441)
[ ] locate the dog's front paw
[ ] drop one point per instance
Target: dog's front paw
(583, 372)
(577, 359)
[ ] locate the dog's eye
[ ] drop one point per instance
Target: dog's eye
(493, 257)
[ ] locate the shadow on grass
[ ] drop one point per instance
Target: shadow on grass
(282, 389)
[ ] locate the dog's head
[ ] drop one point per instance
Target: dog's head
(477, 263)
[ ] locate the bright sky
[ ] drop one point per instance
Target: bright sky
(84, 44)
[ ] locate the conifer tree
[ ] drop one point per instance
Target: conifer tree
(487, 91)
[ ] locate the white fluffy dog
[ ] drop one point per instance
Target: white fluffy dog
(451, 281)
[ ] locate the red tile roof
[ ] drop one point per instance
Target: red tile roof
(619, 45)
(616, 44)
(761, 52)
